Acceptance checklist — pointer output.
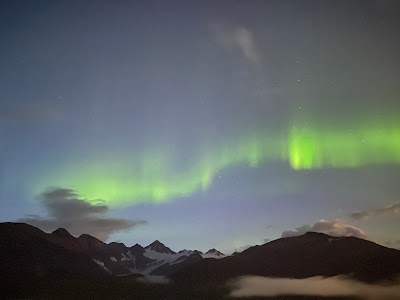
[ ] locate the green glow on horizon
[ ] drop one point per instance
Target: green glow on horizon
(152, 179)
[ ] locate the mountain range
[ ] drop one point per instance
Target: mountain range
(92, 256)
(308, 255)
(28, 254)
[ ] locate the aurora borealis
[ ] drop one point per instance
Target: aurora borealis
(127, 180)
(217, 124)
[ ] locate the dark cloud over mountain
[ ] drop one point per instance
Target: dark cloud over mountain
(65, 209)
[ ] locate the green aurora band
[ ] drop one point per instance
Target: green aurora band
(152, 179)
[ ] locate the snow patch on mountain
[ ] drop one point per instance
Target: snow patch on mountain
(102, 265)
(128, 256)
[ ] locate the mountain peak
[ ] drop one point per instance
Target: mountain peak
(159, 247)
(214, 251)
(90, 242)
(137, 249)
(319, 236)
(62, 232)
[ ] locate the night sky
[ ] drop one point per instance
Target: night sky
(201, 123)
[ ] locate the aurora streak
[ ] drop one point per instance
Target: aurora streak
(153, 179)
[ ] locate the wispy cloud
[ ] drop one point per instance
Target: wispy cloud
(365, 214)
(336, 227)
(243, 39)
(65, 209)
(339, 286)
(246, 42)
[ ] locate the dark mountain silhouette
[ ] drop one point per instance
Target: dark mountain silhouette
(26, 252)
(91, 244)
(62, 232)
(57, 251)
(29, 256)
(107, 254)
(304, 256)
(39, 265)
(63, 238)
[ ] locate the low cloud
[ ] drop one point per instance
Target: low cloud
(336, 227)
(338, 286)
(243, 248)
(66, 210)
(390, 209)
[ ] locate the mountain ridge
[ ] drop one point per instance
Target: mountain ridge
(312, 254)
(308, 255)
(113, 258)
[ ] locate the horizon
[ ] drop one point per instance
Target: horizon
(227, 253)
